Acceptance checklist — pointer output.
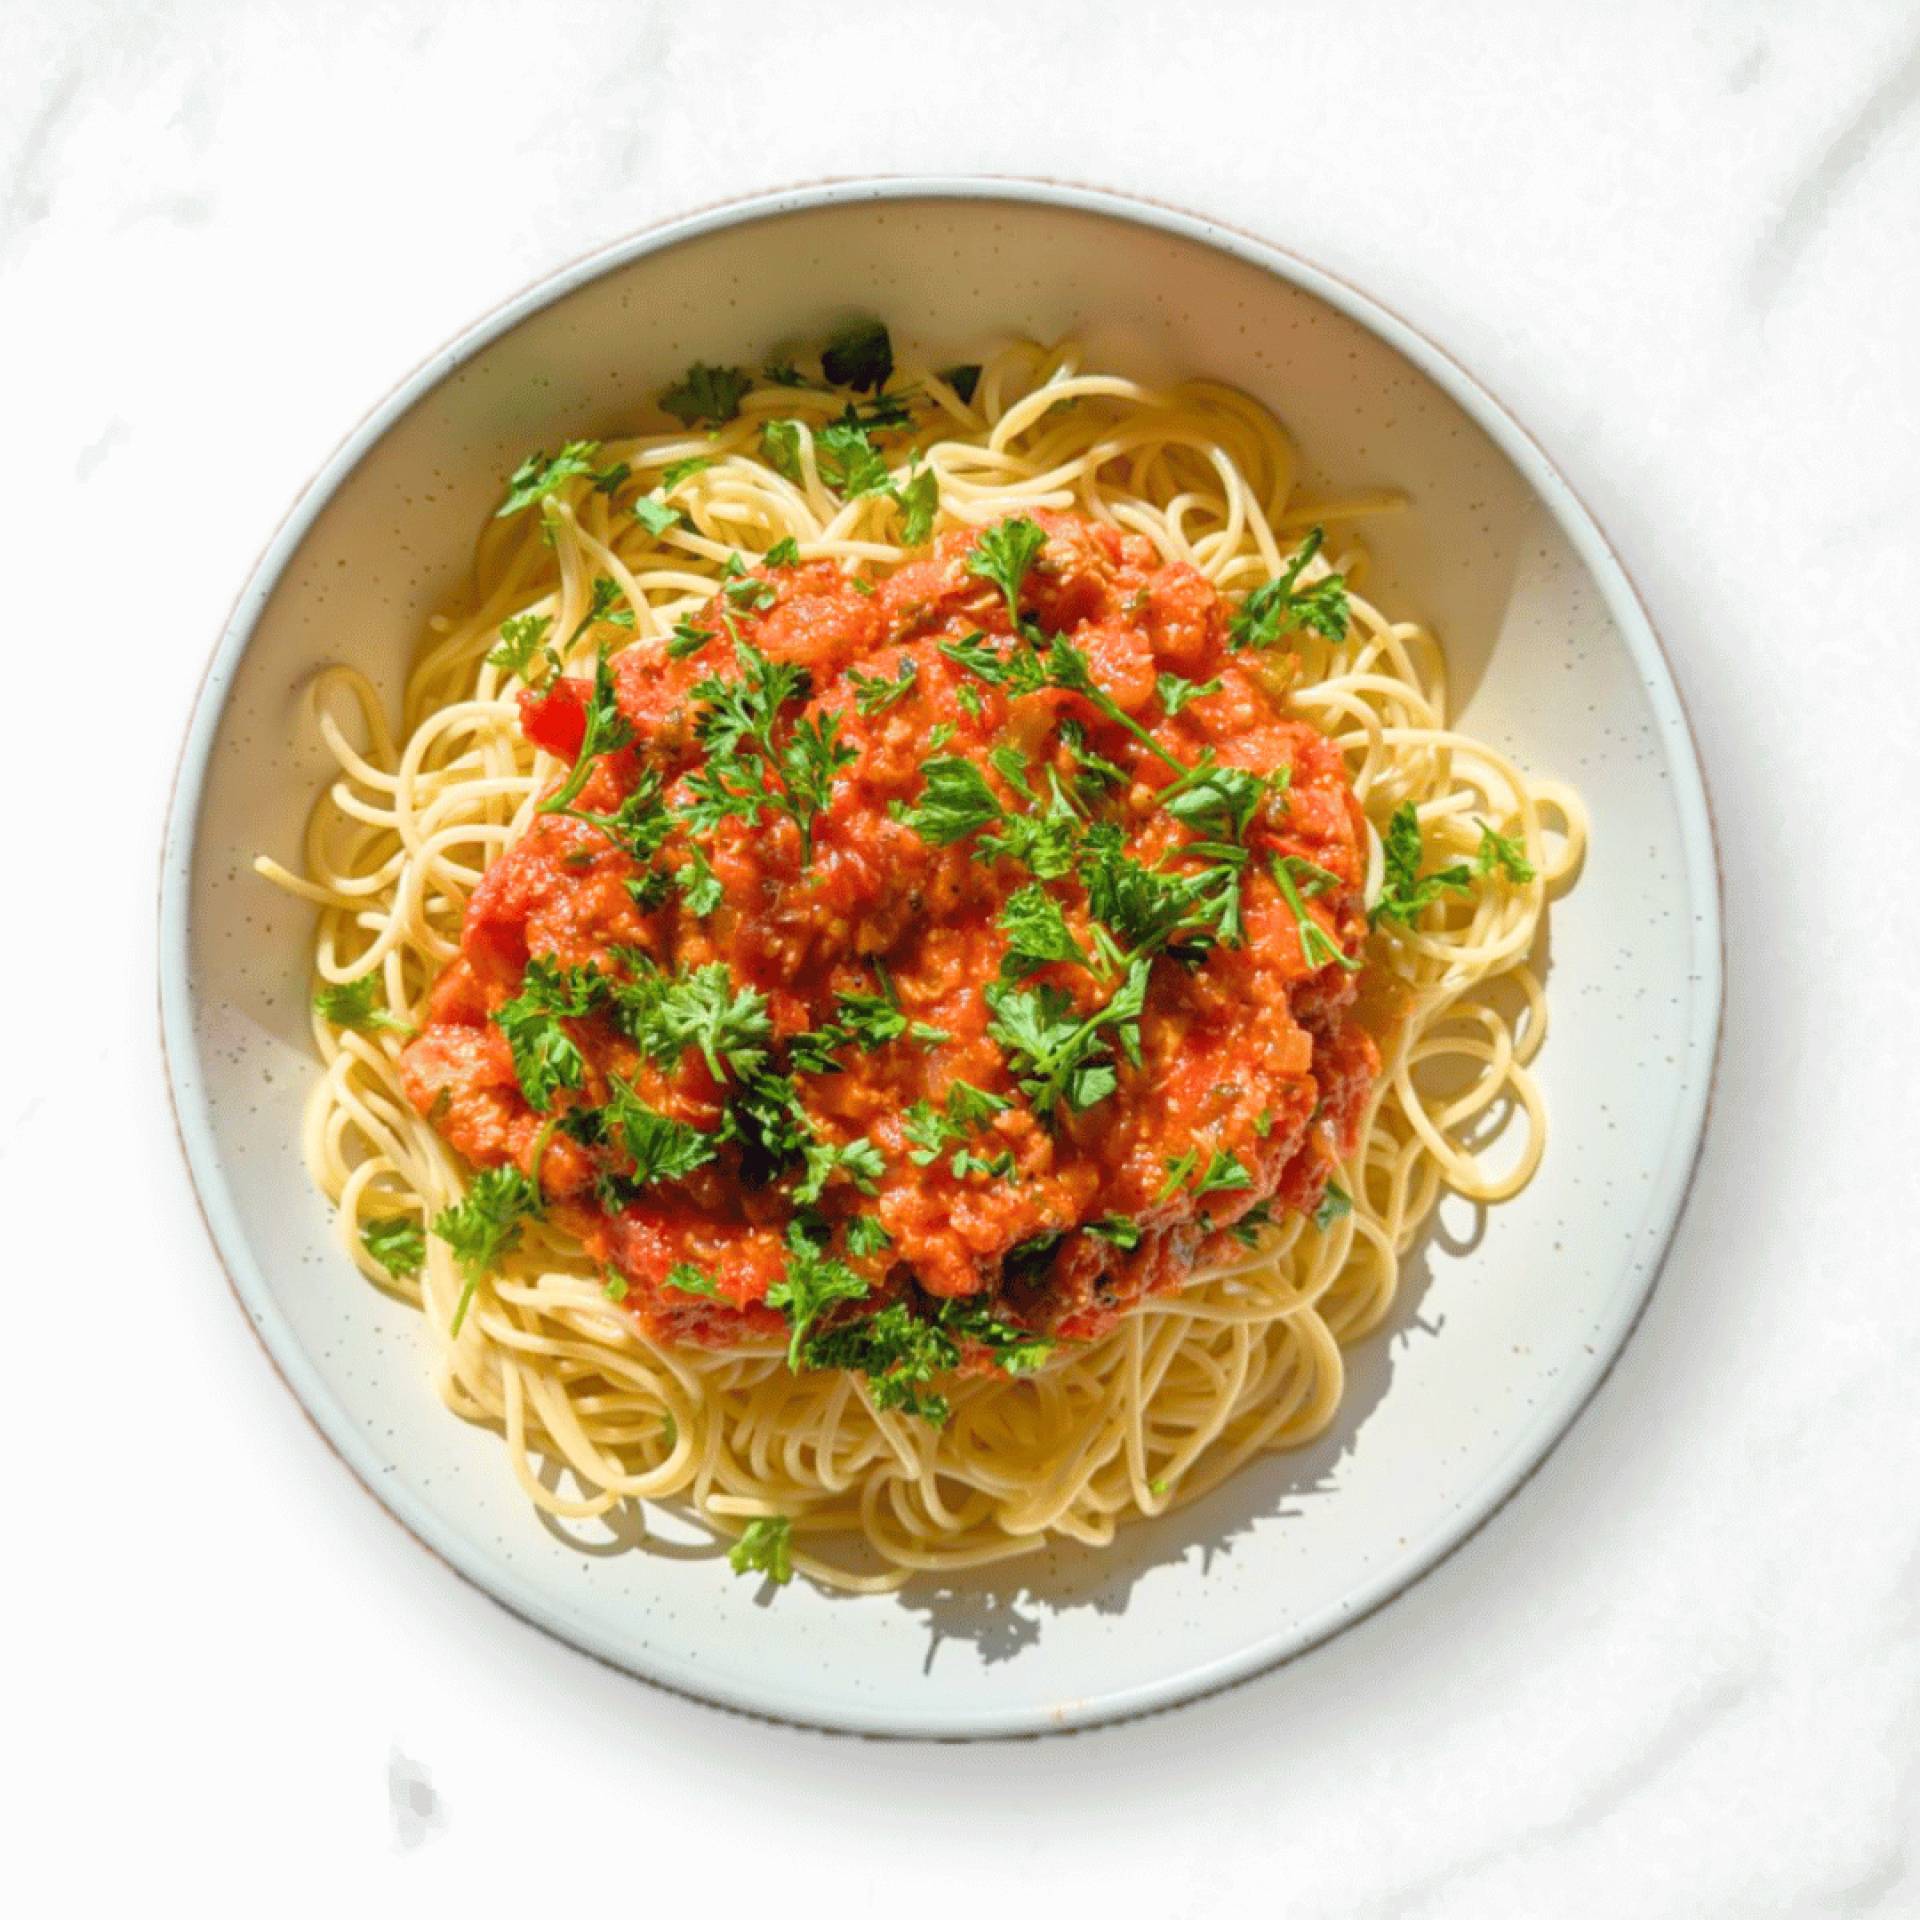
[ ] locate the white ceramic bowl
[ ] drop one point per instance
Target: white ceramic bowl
(1552, 658)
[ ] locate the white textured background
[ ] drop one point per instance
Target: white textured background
(1680, 1674)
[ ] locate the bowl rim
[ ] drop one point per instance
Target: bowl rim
(504, 1584)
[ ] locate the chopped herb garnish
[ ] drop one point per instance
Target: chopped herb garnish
(678, 470)
(662, 1148)
(765, 1546)
(699, 885)
(1275, 609)
(1117, 1230)
(1406, 893)
(873, 694)
(398, 1244)
(1176, 692)
(485, 1225)
(1056, 1052)
(357, 1004)
(1002, 555)
(860, 356)
(656, 516)
(536, 476)
(866, 1238)
(1037, 934)
(964, 380)
(712, 394)
(919, 501)
(1318, 948)
(665, 1014)
(685, 1277)
(1334, 1202)
(849, 461)
(521, 637)
(607, 731)
(783, 553)
(813, 1281)
(1509, 855)
(545, 1057)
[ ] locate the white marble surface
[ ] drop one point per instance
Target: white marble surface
(1680, 1674)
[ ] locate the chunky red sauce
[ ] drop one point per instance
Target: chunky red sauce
(1248, 1050)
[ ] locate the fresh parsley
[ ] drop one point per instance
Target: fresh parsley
(765, 1546)
(485, 1225)
(1003, 554)
(712, 394)
(813, 1281)
(860, 356)
(356, 1004)
(536, 476)
(1508, 855)
(1406, 893)
(545, 1056)
(522, 635)
(1278, 607)
(398, 1244)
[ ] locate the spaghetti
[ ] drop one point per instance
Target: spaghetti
(633, 542)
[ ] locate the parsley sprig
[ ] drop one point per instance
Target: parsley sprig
(1280, 607)
(1406, 892)
(748, 770)
(484, 1225)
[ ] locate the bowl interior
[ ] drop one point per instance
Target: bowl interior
(1505, 1323)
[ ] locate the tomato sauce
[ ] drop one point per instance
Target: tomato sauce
(1252, 1052)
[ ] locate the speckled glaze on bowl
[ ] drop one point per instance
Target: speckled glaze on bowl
(1552, 659)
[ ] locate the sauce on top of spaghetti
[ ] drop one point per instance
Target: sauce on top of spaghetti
(920, 970)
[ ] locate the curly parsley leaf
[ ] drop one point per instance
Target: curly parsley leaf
(873, 694)
(765, 1546)
(964, 380)
(1318, 948)
(898, 1353)
(1508, 855)
(536, 476)
(1406, 893)
(712, 394)
(485, 1224)
(545, 1057)
(1014, 1349)
(1037, 934)
(1277, 607)
(813, 1281)
(1176, 691)
(1335, 1202)
(398, 1244)
(357, 1004)
(955, 802)
(607, 731)
(849, 461)
(685, 1277)
(522, 635)
(919, 501)
(661, 1147)
(1003, 554)
(780, 448)
(665, 1014)
(866, 1238)
(699, 885)
(860, 356)
(1056, 1053)
(678, 470)
(656, 516)
(859, 1161)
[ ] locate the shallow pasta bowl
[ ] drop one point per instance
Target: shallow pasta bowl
(1552, 660)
